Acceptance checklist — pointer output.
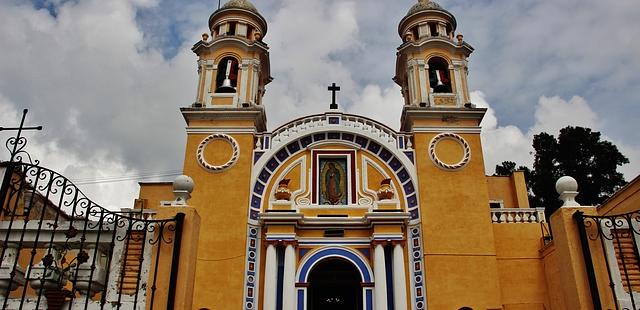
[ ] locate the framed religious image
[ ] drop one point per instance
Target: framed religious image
(333, 178)
(333, 181)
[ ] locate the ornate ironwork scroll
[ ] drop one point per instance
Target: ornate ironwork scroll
(613, 241)
(60, 250)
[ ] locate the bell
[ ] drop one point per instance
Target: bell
(226, 87)
(439, 79)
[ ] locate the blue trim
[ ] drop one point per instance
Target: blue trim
(300, 299)
(369, 299)
(360, 264)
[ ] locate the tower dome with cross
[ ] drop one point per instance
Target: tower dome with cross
(431, 64)
(233, 62)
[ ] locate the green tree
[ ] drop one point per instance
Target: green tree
(578, 152)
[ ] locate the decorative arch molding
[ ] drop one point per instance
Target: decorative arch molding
(313, 258)
(319, 255)
(391, 148)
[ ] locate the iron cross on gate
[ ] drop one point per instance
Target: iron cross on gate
(18, 140)
(333, 89)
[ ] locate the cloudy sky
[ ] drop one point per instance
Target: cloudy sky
(106, 78)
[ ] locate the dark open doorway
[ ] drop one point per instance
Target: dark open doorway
(334, 285)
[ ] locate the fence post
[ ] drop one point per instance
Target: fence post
(175, 261)
(588, 262)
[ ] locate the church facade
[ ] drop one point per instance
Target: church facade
(338, 210)
(328, 211)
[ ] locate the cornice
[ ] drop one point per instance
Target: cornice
(254, 113)
(411, 113)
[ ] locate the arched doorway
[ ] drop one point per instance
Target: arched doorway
(334, 284)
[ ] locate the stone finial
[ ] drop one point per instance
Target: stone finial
(567, 188)
(205, 37)
(460, 38)
(182, 188)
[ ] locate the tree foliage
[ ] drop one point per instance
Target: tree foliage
(578, 152)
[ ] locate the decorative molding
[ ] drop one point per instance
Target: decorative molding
(454, 137)
(470, 129)
(218, 168)
(418, 294)
(252, 268)
(227, 130)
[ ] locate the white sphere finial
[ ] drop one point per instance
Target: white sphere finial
(182, 188)
(566, 184)
(567, 188)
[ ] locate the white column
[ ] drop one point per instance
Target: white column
(211, 70)
(244, 80)
(201, 71)
(423, 81)
(270, 278)
(288, 287)
(255, 82)
(399, 280)
(458, 68)
(380, 273)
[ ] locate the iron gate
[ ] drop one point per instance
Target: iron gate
(60, 250)
(611, 243)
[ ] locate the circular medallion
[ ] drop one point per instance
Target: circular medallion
(466, 151)
(215, 137)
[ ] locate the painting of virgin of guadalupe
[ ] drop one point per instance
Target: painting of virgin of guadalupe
(333, 181)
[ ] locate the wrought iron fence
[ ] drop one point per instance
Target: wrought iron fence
(612, 241)
(60, 250)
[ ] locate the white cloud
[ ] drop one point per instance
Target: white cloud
(509, 143)
(555, 113)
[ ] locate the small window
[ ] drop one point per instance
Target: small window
(231, 29)
(439, 79)
(434, 29)
(495, 205)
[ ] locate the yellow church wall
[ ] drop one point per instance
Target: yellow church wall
(512, 190)
(187, 264)
(222, 253)
(460, 262)
(625, 200)
(569, 260)
(520, 266)
(500, 189)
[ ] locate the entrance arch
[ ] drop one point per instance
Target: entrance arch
(334, 284)
(313, 269)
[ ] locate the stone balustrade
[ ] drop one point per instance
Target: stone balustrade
(348, 122)
(515, 215)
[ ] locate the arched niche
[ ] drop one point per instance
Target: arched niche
(395, 159)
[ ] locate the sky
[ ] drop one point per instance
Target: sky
(106, 79)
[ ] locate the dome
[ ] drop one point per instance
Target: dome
(240, 4)
(424, 5)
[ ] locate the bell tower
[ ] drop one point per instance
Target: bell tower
(431, 68)
(233, 62)
(431, 64)
(222, 124)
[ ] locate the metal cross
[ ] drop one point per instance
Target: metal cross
(18, 139)
(333, 89)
